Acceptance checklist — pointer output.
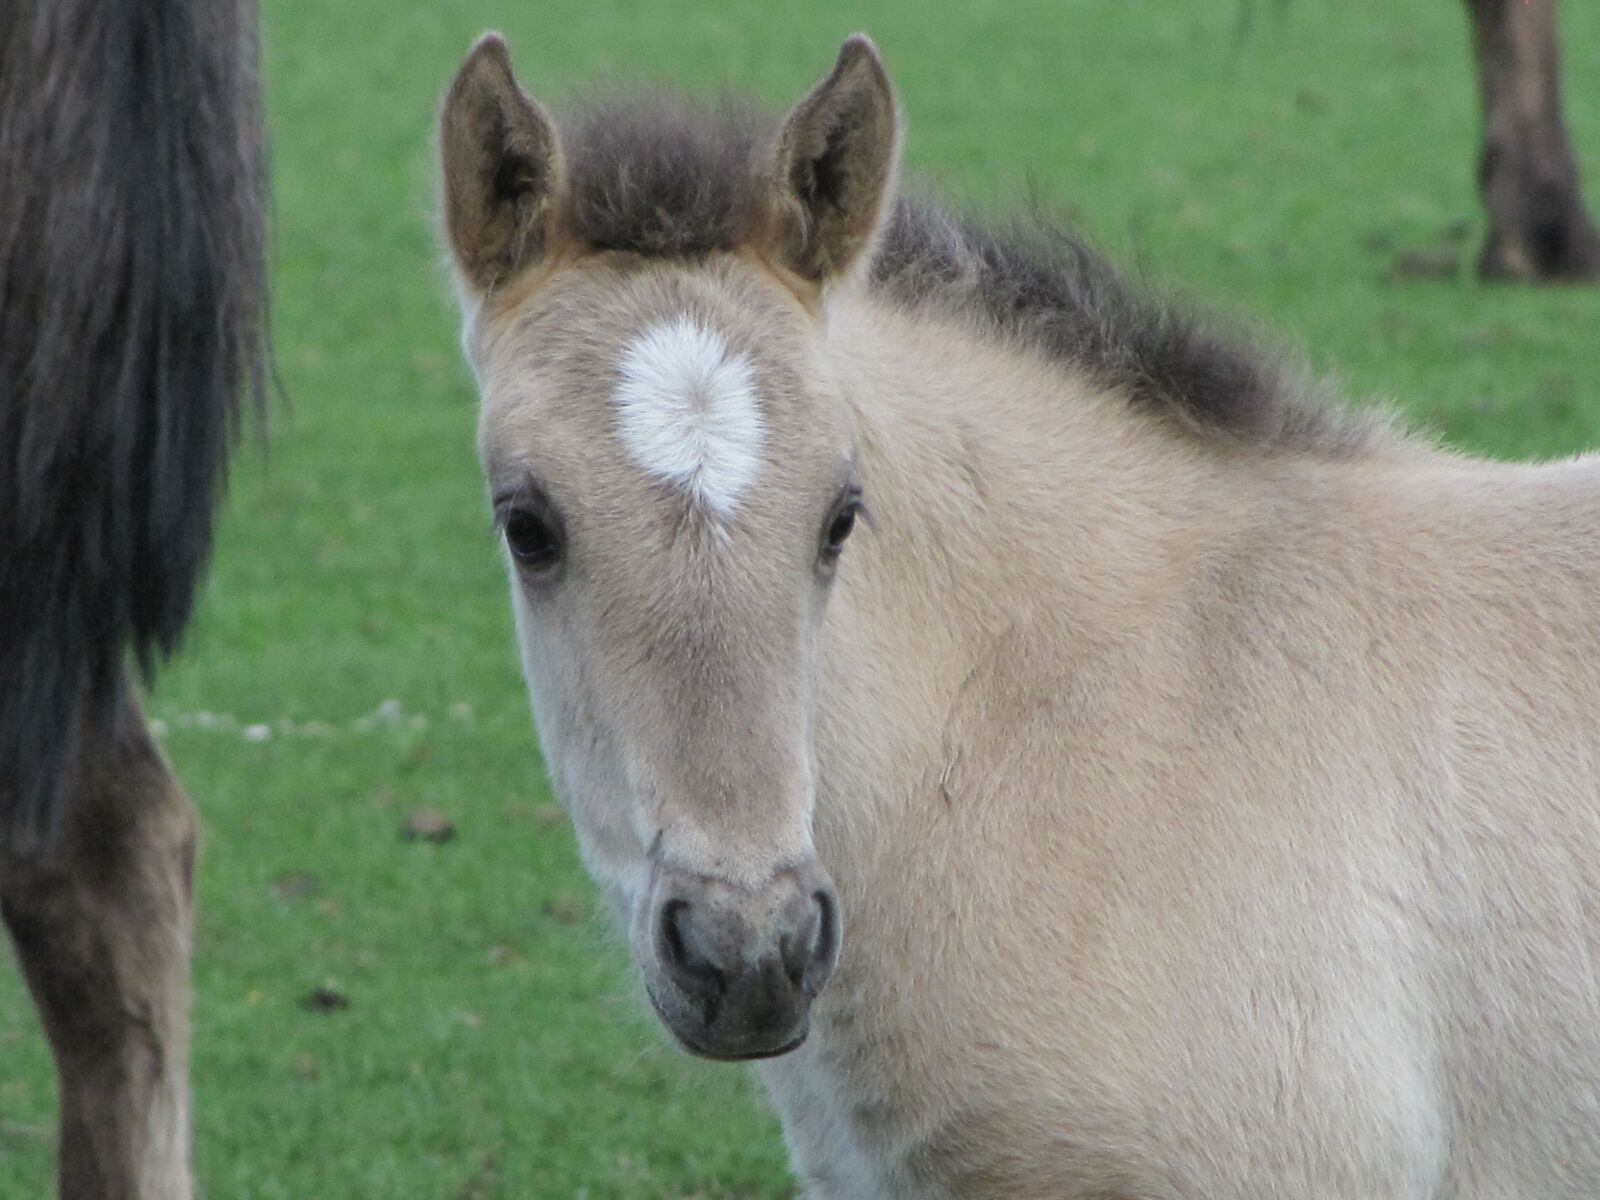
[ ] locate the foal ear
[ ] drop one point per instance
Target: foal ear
(502, 168)
(835, 165)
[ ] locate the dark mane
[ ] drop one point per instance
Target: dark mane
(659, 175)
(662, 176)
(1049, 290)
(132, 299)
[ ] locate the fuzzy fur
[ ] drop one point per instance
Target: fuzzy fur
(656, 174)
(132, 301)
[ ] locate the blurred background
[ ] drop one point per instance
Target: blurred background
(403, 986)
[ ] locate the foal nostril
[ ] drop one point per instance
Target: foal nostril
(690, 970)
(821, 945)
(810, 948)
(798, 947)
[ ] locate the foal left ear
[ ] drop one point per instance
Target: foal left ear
(835, 166)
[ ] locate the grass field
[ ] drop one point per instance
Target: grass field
(352, 662)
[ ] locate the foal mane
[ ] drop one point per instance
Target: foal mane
(661, 176)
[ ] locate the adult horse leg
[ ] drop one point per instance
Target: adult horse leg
(1539, 230)
(102, 931)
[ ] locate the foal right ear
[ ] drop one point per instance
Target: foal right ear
(502, 169)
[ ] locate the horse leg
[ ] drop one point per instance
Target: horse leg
(102, 932)
(1539, 230)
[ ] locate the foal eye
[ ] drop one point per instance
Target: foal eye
(840, 526)
(534, 539)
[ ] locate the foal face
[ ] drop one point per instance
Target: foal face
(673, 475)
(674, 488)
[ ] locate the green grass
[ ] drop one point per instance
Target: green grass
(492, 1046)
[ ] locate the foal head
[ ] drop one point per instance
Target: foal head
(674, 476)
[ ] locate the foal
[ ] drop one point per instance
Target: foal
(1079, 759)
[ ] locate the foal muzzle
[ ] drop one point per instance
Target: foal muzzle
(735, 969)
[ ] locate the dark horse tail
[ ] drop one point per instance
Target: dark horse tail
(132, 288)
